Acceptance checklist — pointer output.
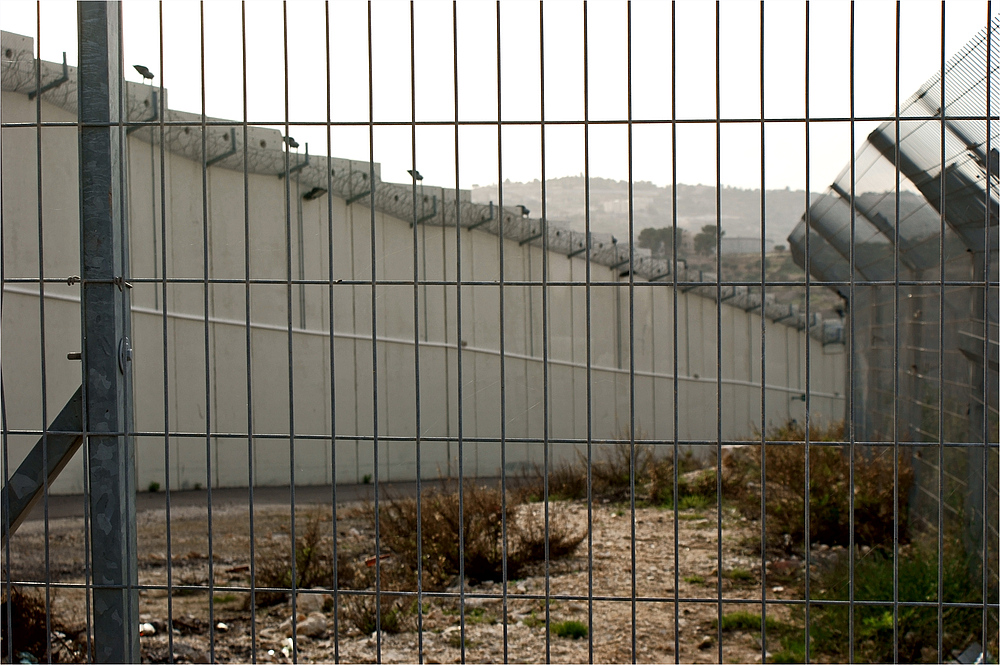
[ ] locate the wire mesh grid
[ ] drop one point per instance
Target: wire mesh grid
(381, 421)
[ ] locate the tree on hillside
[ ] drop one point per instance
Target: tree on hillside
(705, 240)
(660, 241)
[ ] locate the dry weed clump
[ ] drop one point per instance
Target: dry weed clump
(567, 482)
(481, 526)
(531, 539)
(313, 566)
(387, 612)
(611, 476)
(829, 488)
(694, 481)
(612, 473)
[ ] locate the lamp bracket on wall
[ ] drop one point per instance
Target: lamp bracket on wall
(228, 153)
(52, 84)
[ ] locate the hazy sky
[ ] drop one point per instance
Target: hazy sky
(521, 83)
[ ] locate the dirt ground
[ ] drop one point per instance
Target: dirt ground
(619, 616)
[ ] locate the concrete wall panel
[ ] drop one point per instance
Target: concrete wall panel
(281, 248)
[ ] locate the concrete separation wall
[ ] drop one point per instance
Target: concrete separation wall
(260, 338)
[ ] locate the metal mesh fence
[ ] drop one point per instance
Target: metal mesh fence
(915, 219)
(322, 416)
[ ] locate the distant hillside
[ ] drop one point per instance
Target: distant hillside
(652, 206)
(695, 208)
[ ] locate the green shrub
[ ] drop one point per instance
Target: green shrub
(918, 582)
(792, 639)
(793, 648)
(696, 486)
(477, 615)
(455, 641)
(748, 622)
(739, 575)
(534, 621)
(699, 482)
(571, 629)
(695, 502)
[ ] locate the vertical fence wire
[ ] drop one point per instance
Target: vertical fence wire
(502, 345)
(206, 297)
(940, 359)
(763, 357)
(631, 324)
(895, 351)
(851, 260)
(459, 342)
(248, 342)
(332, 368)
(165, 339)
(589, 313)
(416, 339)
(718, 323)
(290, 143)
(374, 342)
(985, 560)
(546, 453)
(807, 398)
(47, 554)
(676, 377)
(131, 551)
(895, 364)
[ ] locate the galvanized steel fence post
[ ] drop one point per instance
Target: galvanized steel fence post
(105, 322)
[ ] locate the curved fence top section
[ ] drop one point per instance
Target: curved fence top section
(935, 168)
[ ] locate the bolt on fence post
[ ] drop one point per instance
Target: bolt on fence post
(105, 320)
